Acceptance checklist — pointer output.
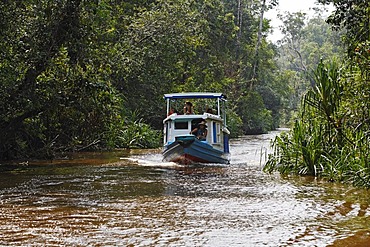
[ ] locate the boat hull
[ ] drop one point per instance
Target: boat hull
(189, 150)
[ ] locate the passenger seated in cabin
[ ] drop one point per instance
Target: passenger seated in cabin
(201, 131)
(188, 108)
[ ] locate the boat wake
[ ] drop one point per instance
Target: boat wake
(151, 163)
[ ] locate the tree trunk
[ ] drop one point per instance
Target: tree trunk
(258, 43)
(239, 23)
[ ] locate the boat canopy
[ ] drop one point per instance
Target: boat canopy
(195, 95)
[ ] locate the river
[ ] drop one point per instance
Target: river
(131, 198)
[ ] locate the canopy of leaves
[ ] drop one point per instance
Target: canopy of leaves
(352, 16)
(78, 74)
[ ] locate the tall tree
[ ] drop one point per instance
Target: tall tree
(305, 43)
(54, 87)
(354, 17)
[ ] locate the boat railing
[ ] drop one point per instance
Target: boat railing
(204, 116)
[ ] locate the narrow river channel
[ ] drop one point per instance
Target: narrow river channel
(133, 199)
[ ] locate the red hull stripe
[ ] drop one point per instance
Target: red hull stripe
(187, 159)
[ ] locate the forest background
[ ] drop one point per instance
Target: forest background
(78, 75)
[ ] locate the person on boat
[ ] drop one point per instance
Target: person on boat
(172, 111)
(209, 110)
(201, 131)
(188, 108)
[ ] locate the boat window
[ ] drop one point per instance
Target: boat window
(181, 125)
(219, 133)
(216, 129)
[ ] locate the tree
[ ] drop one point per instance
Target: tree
(353, 16)
(330, 138)
(80, 74)
(305, 43)
(55, 90)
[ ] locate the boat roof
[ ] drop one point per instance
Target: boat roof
(195, 95)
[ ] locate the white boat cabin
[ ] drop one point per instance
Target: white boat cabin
(180, 124)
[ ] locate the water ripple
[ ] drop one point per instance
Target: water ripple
(139, 201)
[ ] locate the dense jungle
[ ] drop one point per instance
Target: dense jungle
(90, 75)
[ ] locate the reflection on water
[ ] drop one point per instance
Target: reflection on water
(125, 199)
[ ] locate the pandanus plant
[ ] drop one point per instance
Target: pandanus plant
(301, 151)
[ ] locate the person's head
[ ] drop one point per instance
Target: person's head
(202, 124)
(188, 104)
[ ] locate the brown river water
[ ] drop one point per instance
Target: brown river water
(131, 198)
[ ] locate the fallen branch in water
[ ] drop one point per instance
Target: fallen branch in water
(89, 145)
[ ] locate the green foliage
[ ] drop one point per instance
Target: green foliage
(353, 17)
(272, 103)
(73, 71)
(297, 152)
(256, 118)
(306, 42)
(234, 124)
(56, 88)
(132, 132)
(331, 138)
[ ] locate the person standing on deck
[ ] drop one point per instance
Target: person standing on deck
(188, 108)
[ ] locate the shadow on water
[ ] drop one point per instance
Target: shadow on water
(134, 199)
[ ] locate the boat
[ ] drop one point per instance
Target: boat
(180, 142)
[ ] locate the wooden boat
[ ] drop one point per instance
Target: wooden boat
(180, 145)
